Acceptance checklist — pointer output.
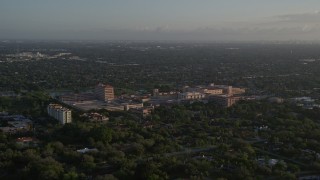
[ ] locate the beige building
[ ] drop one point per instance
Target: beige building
(231, 90)
(238, 90)
(60, 113)
(212, 91)
(104, 92)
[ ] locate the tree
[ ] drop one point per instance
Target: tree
(3, 137)
(137, 149)
(71, 175)
(46, 168)
(88, 163)
(101, 133)
(106, 177)
(150, 171)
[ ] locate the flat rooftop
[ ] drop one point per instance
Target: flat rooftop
(87, 105)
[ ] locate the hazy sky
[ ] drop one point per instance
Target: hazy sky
(215, 20)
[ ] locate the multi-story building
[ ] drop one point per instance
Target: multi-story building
(212, 91)
(231, 90)
(104, 92)
(238, 90)
(165, 95)
(128, 106)
(95, 117)
(191, 95)
(60, 113)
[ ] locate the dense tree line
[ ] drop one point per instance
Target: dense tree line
(271, 68)
(229, 138)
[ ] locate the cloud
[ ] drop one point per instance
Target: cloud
(300, 18)
(165, 28)
(303, 26)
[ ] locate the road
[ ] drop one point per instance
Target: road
(191, 151)
(210, 148)
(280, 157)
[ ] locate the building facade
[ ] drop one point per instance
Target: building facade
(191, 95)
(60, 113)
(212, 91)
(128, 106)
(104, 92)
(164, 95)
(238, 90)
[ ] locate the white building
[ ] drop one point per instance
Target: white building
(60, 113)
(191, 95)
(128, 106)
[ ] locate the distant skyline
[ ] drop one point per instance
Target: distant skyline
(204, 20)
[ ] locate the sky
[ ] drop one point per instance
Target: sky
(199, 20)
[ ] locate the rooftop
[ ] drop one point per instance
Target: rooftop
(104, 85)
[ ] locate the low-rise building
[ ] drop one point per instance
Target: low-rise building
(164, 95)
(15, 123)
(305, 102)
(238, 90)
(27, 141)
(212, 91)
(144, 111)
(191, 96)
(95, 117)
(131, 105)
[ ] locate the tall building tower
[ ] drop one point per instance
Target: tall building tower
(155, 92)
(104, 92)
(229, 91)
(60, 113)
